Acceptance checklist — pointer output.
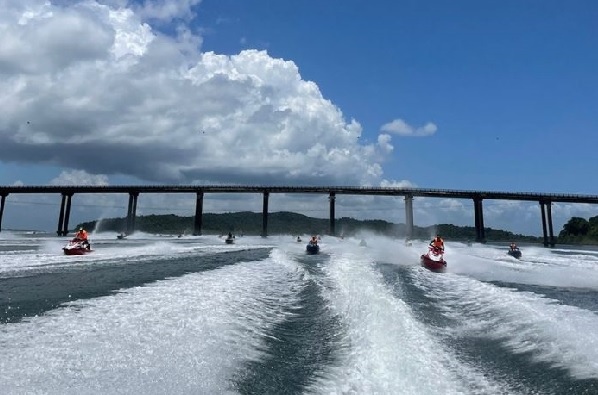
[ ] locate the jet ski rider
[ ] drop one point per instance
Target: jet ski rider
(82, 236)
(437, 242)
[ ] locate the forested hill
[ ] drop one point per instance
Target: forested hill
(580, 231)
(250, 223)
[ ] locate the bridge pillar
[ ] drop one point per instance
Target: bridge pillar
(67, 214)
(408, 217)
(479, 220)
(61, 215)
(132, 212)
(2, 200)
(332, 199)
(129, 209)
(542, 209)
(550, 230)
(134, 216)
(265, 215)
(198, 214)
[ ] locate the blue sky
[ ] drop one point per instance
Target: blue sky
(507, 82)
(503, 93)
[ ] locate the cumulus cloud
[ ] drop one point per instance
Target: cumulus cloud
(79, 177)
(166, 10)
(397, 184)
(402, 128)
(92, 86)
(384, 143)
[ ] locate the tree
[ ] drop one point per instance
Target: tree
(576, 226)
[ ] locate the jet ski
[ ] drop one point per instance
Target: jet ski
(514, 252)
(434, 259)
(312, 248)
(77, 247)
(230, 239)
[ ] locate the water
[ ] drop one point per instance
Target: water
(193, 315)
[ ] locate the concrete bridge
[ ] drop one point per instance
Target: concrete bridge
(545, 201)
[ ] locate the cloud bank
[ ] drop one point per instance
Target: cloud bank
(95, 87)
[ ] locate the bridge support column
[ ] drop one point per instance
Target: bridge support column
(198, 214)
(332, 199)
(265, 215)
(61, 215)
(63, 218)
(479, 220)
(408, 217)
(67, 214)
(550, 230)
(2, 200)
(132, 212)
(544, 233)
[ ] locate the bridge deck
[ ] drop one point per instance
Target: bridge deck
(344, 190)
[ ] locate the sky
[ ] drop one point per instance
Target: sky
(475, 95)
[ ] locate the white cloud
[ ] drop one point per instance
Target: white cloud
(166, 10)
(79, 177)
(384, 143)
(98, 89)
(401, 128)
(397, 184)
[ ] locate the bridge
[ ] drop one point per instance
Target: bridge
(545, 200)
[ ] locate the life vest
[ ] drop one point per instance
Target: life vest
(438, 242)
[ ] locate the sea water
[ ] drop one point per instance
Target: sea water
(193, 315)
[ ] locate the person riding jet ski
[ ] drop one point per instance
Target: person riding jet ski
(437, 242)
(81, 235)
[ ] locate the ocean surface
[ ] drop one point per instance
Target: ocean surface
(193, 315)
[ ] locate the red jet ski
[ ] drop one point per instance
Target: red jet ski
(77, 247)
(434, 259)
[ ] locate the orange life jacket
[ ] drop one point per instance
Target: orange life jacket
(438, 242)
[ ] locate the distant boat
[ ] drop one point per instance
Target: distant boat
(121, 236)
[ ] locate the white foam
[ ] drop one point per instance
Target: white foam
(186, 335)
(47, 252)
(191, 334)
(386, 350)
(524, 322)
(538, 266)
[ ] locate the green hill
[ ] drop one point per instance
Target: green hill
(284, 222)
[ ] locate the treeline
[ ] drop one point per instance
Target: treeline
(250, 223)
(579, 231)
